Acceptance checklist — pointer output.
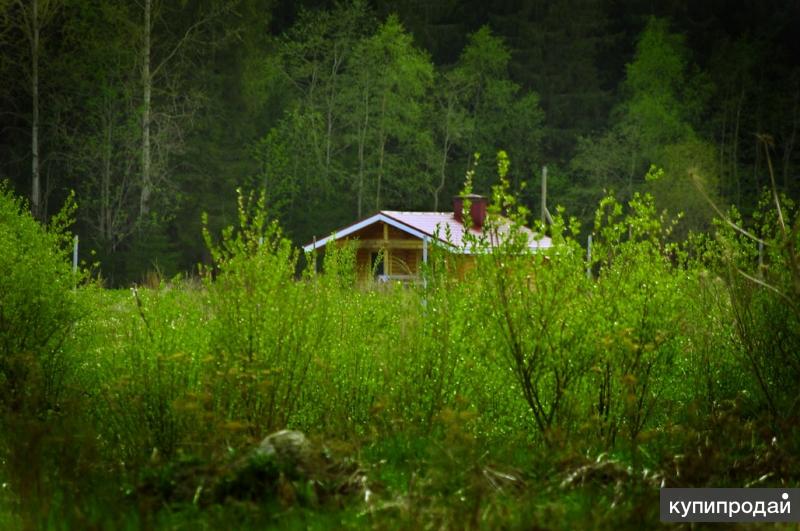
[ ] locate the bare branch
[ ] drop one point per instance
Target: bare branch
(722, 216)
(185, 38)
(767, 141)
(768, 286)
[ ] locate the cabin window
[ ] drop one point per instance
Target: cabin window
(376, 263)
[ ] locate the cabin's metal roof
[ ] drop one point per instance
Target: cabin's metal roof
(430, 226)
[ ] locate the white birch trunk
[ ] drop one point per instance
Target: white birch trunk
(147, 85)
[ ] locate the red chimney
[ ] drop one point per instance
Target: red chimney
(477, 209)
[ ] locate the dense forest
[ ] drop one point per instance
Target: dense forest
(155, 112)
(197, 370)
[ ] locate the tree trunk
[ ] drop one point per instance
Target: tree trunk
(147, 83)
(788, 146)
(735, 155)
(381, 152)
(631, 174)
(105, 184)
(443, 166)
(361, 145)
(36, 193)
(724, 178)
(329, 118)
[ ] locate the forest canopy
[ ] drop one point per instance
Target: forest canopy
(155, 112)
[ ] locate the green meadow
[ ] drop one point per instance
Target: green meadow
(535, 392)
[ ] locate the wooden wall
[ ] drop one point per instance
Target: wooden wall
(404, 250)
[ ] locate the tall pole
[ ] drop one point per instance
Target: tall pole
(424, 262)
(314, 254)
(75, 255)
(544, 195)
(589, 257)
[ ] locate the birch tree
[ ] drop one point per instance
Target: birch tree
(389, 82)
(452, 122)
(162, 46)
(315, 56)
(502, 115)
(31, 18)
(102, 137)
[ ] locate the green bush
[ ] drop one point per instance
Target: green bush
(262, 330)
(761, 273)
(531, 385)
(41, 437)
(38, 307)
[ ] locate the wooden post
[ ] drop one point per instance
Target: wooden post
(314, 254)
(386, 254)
(424, 260)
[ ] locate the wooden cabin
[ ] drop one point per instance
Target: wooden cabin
(394, 244)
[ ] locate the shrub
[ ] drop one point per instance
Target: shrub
(38, 310)
(37, 307)
(262, 336)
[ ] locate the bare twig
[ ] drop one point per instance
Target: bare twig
(205, 19)
(765, 285)
(719, 212)
(767, 141)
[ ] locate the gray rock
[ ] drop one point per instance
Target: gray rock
(289, 448)
(280, 458)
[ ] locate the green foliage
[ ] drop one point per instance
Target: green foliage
(261, 336)
(389, 80)
(41, 442)
(640, 307)
(501, 115)
(454, 400)
(514, 390)
(656, 81)
(322, 103)
(37, 307)
(656, 124)
(761, 278)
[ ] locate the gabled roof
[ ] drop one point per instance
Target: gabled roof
(430, 226)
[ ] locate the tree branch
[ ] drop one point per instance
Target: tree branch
(768, 286)
(722, 216)
(184, 39)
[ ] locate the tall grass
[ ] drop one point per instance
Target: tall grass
(468, 401)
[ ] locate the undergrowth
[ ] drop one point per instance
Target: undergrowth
(534, 391)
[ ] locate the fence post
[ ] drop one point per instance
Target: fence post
(589, 257)
(75, 255)
(75, 262)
